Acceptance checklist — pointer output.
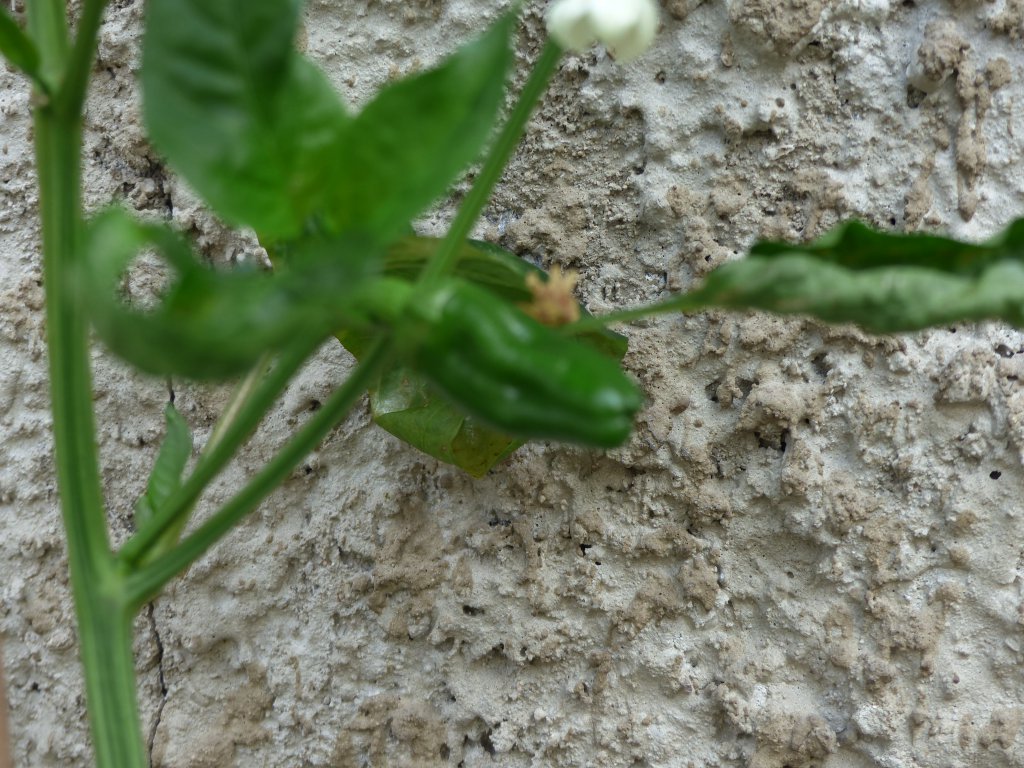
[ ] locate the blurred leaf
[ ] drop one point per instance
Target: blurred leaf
(406, 405)
(165, 478)
(215, 324)
(408, 145)
(17, 47)
(883, 282)
(489, 266)
(244, 119)
(258, 131)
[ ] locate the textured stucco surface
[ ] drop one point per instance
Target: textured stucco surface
(808, 555)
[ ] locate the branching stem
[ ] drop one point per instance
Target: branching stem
(147, 582)
(230, 434)
(104, 621)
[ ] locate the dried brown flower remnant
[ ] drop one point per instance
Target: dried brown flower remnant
(553, 302)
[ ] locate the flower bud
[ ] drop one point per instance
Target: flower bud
(625, 27)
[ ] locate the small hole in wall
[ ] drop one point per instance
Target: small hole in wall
(584, 548)
(486, 743)
(995, 474)
(1003, 351)
(469, 610)
(660, 77)
(314, 405)
(712, 390)
(445, 752)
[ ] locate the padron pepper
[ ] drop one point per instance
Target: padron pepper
(514, 373)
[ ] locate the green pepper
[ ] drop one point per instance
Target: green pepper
(515, 374)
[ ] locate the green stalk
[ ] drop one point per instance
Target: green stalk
(686, 302)
(48, 27)
(71, 95)
(443, 261)
(235, 428)
(104, 621)
(145, 583)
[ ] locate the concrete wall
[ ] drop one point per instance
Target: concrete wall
(808, 555)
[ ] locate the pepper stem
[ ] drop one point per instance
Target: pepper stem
(443, 260)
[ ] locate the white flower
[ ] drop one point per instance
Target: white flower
(625, 27)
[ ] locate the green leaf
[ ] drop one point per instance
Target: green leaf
(885, 283)
(17, 47)
(243, 118)
(165, 478)
(215, 324)
(407, 146)
(405, 404)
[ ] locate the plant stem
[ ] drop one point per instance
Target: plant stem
(48, 26)
(104, 623)
(71, 95)
(444, 259)
(686, 302)
(145, 583)
(228, 436)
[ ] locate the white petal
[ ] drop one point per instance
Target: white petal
(626, 27)
(570, 25)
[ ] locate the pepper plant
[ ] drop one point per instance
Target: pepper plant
(465, 349)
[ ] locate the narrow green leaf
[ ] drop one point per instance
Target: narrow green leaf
(404, 403)
(406, 148)
(211, 324)
(883, 282)
(854, 245)
(17, 47)
(243, 118)
(165, 478)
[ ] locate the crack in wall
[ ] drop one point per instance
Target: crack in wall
(163, 683)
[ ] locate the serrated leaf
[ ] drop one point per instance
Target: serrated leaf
(244, 119)
(17, 47)
(883, 282)
(215, 324)
(170, 462)
(406, 405)
(408, 145)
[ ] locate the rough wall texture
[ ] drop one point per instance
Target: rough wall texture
(808, 555)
